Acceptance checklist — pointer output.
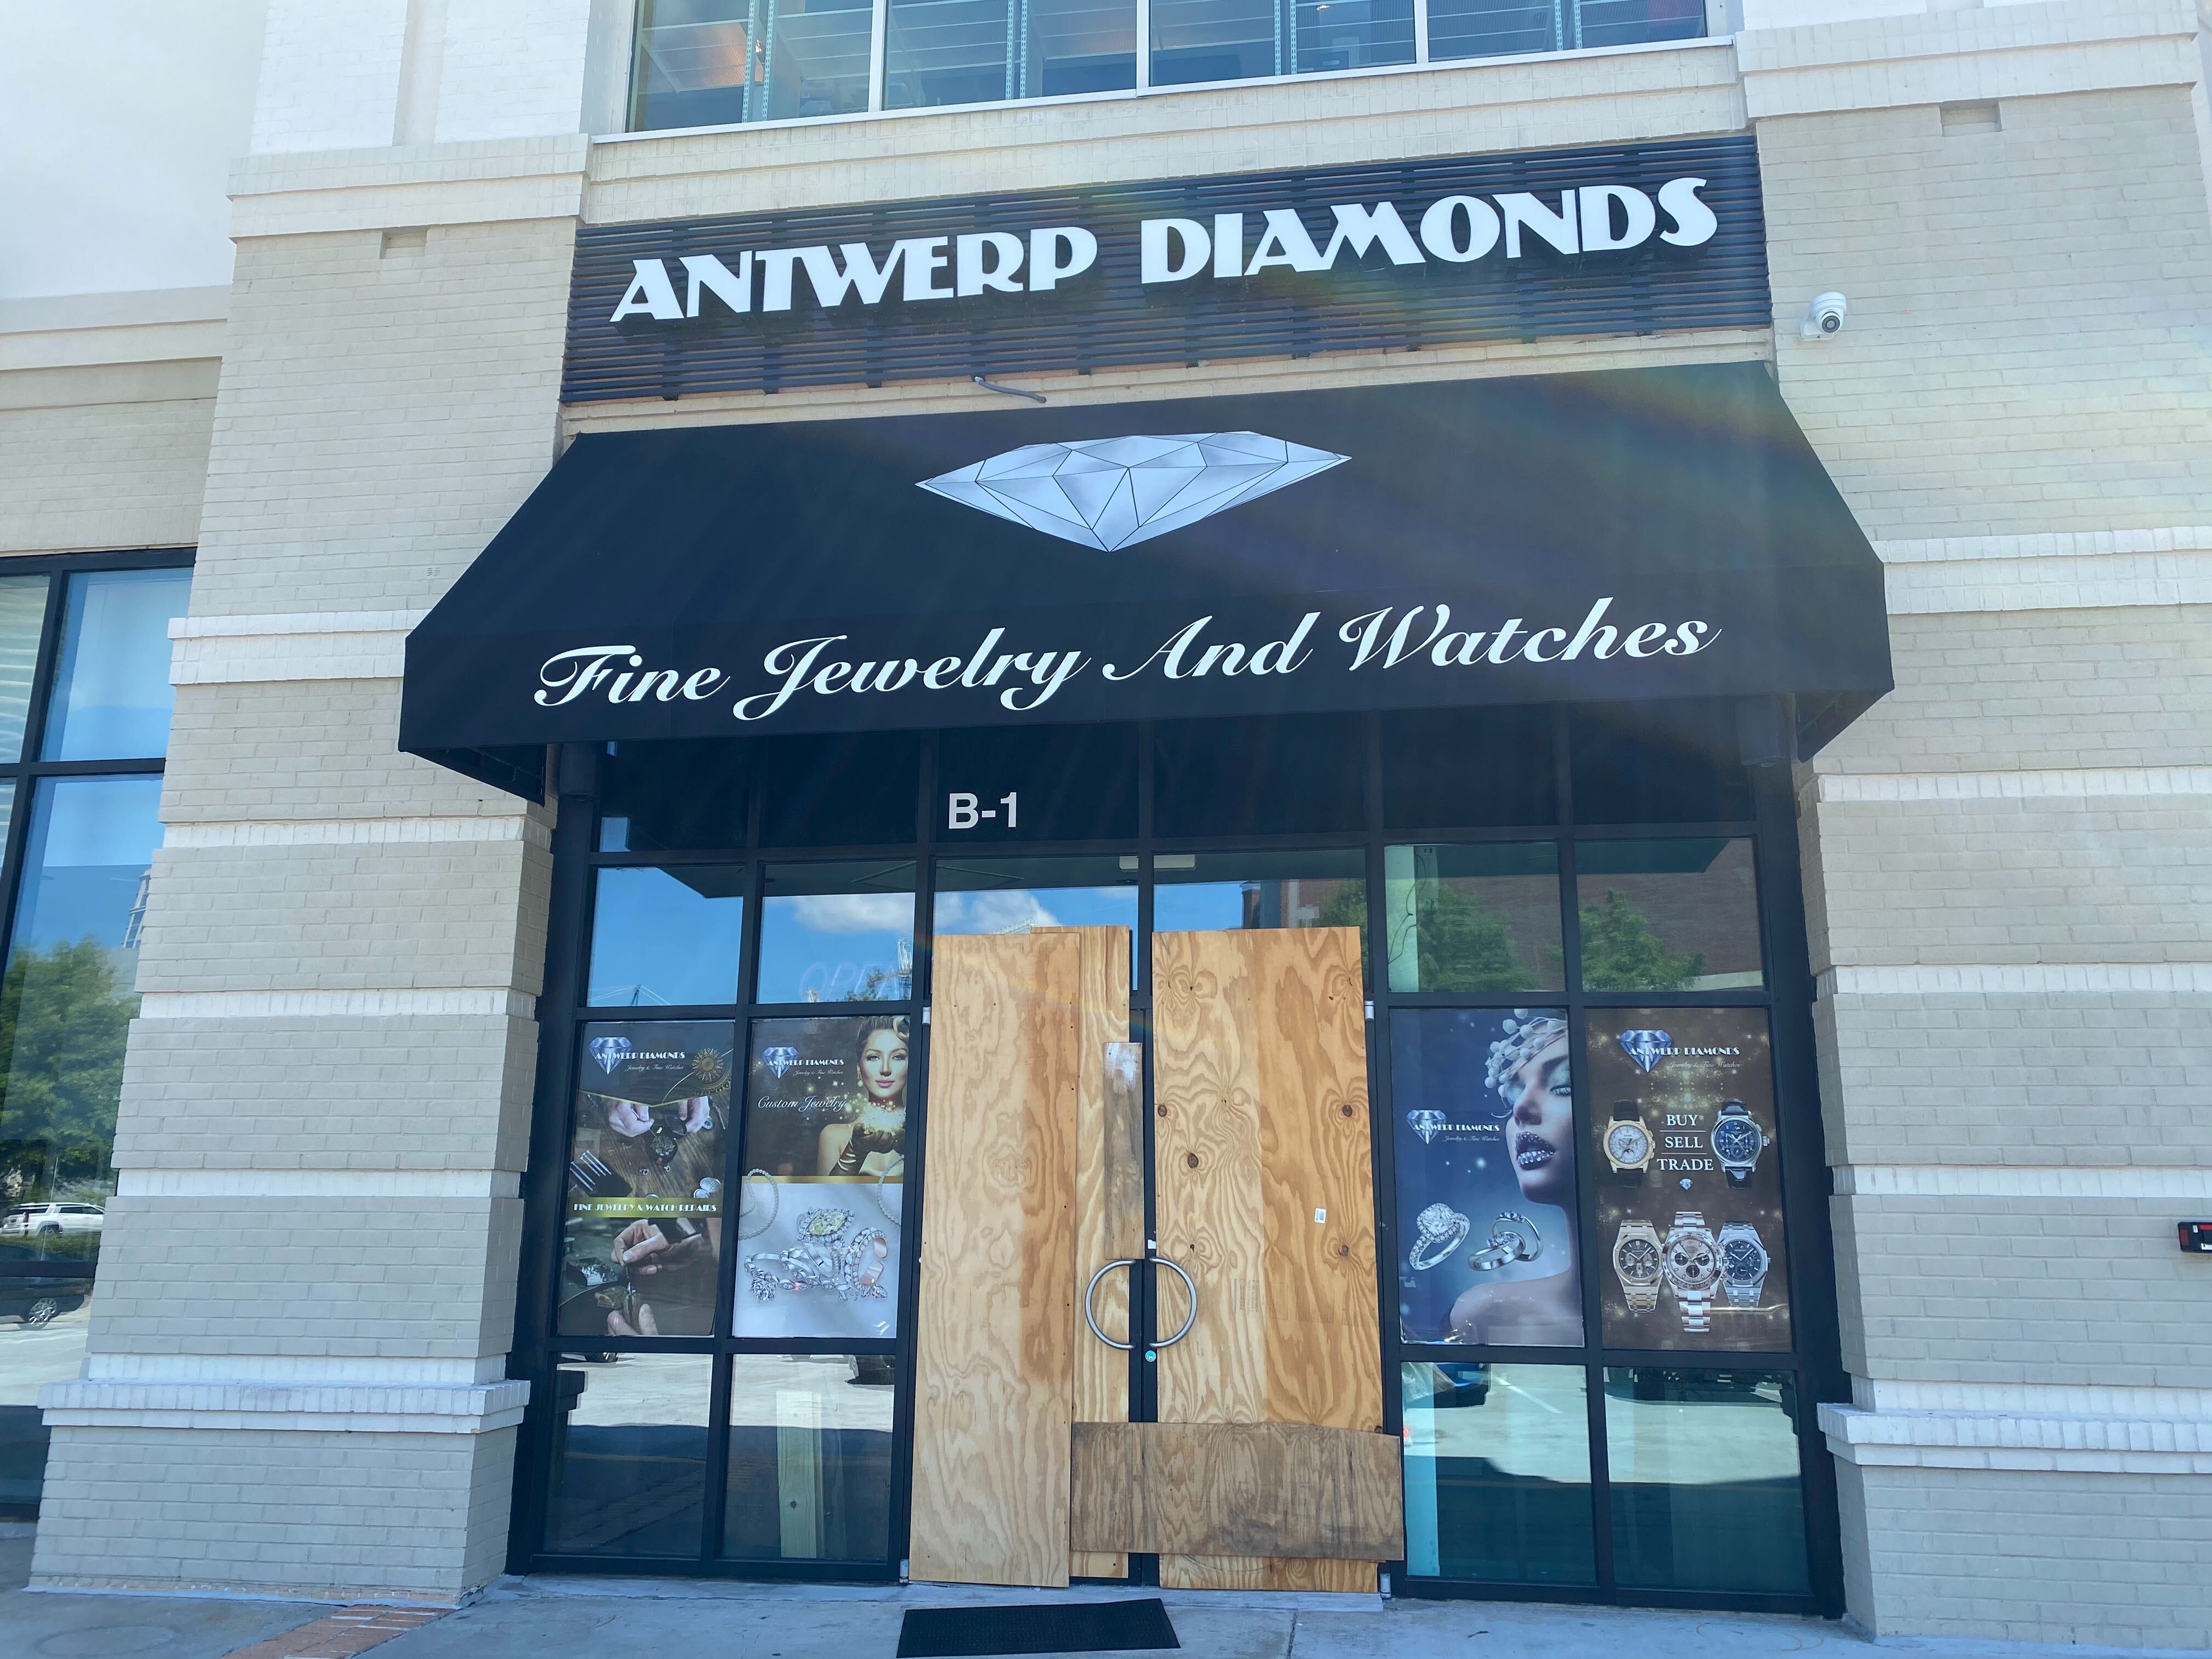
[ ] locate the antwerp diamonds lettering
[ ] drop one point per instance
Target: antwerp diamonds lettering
(1594, 219)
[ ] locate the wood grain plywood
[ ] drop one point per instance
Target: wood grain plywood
(994, 1311)
(1233, 1489)
(1266, 1194)
(1109, 1185)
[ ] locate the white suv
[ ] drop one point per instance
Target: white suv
(28, 1219)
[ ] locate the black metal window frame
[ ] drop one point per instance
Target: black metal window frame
(27, 771)
(1786, 995)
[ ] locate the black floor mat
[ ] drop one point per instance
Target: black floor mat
(1042, 1627)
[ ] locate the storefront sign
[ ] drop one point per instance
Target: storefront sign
(1666, 533)
(1623, 240)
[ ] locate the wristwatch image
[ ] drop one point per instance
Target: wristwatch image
(1628, 1143)
(1692, 1261)
(1635, 1260)
(1744, 1263)
(1737, 1141)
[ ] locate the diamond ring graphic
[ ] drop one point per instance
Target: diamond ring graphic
(1110, 493)
(1438, 1230)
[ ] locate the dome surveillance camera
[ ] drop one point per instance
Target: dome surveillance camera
(1825, 316)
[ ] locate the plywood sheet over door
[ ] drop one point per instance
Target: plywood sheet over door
(1265, 1193)
(1110, 1188)
(994, 1314)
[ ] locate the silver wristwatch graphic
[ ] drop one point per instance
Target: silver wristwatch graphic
(1628, 1143)
(1693, 1265)
(1744, 1264)
(1635, 1260)
(1737, 1141)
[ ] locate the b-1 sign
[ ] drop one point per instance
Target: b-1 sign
(965, 811)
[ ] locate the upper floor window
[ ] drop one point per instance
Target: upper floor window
(713, 62)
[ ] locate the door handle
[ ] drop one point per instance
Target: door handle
(1092, 1290)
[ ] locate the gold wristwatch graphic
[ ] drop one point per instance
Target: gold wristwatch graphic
(1628, 1144)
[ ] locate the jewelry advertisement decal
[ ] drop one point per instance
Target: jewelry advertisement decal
(822, 1196)
(1482, 1110)
(642, 1228)
(1689, 1187)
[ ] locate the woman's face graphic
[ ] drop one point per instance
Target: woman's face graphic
(883, 1068)
(1540, 1133)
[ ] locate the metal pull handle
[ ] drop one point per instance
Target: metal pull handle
(1092, 1290)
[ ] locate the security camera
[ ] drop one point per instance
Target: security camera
(1825, 316)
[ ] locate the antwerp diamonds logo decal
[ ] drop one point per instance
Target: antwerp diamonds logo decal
(1111, 493)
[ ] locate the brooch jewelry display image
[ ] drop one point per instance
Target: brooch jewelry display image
(642, 1224)
(821, 1206)
(1691, 1199)
(1483, 1124)
(831, 1255)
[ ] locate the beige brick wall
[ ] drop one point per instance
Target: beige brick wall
(294, 751)
(103, 456)
(335, 1516)
(2024, 349)
(2022, 1556)
(325, 1102)
(2006, 869)
(381, 415)
(350, 1093)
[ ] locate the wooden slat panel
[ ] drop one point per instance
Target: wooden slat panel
(1262, 1065)
(1226, 1489)
(994, 1313)
(1109, 1185)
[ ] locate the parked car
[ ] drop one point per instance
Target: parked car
(25, 1220)
(36, 1288)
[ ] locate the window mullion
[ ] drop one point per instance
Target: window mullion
(1420, 30)
(879, 34)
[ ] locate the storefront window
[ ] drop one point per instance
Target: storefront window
(715, 63)
(824, 1194)
(630, 1462)
(666, 937)
(836, 933)
(1668, 915)
(1475, 918)
(718, 62)
(86, 842)
(1483, 1110)
(641, 1230)
(22, 619)
(1497, 1474)
(1704, 1478)
(1583, 1172)
(112, 694)
(1012, 896)
(1209, 892)
(980, 51)
(810, 1457)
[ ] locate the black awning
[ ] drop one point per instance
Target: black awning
(1615, 538)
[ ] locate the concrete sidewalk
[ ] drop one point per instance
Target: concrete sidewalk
(614, 1618)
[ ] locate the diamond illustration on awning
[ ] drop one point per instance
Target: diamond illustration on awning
(1110, 493)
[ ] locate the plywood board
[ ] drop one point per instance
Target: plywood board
(1109, 1185)
(1265, 1193)
(994, 1307)
(1238, 1489)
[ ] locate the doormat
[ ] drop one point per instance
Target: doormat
(1042, 1627)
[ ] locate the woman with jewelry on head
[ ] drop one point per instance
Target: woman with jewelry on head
(1530, 1070)
(873, 1143)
